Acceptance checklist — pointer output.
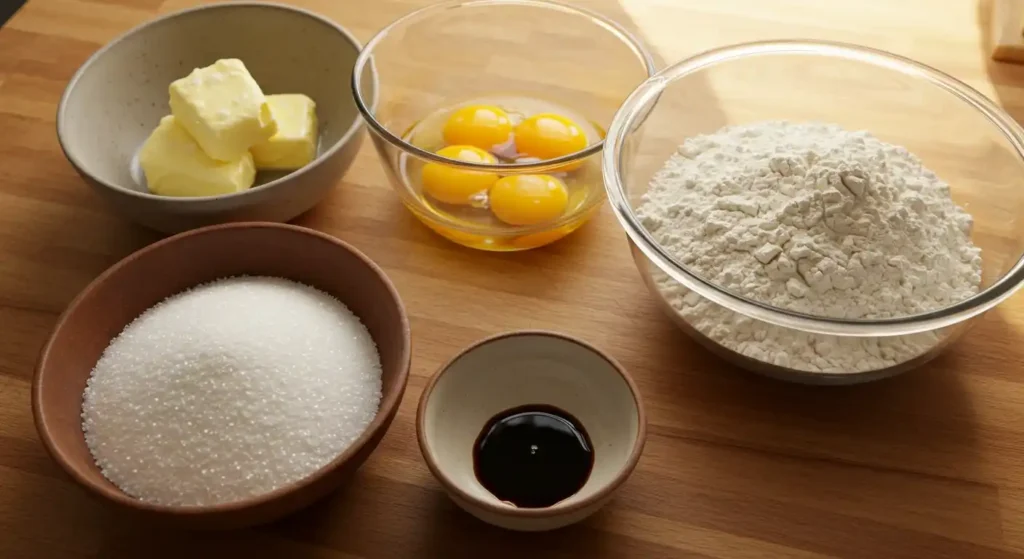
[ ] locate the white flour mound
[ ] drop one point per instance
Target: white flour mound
(817, 219)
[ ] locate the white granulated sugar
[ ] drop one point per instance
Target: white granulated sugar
(817, 219)
(230, 390)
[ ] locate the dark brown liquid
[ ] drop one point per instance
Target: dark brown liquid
(533, 456)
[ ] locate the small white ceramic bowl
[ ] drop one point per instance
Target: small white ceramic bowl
(526, 368)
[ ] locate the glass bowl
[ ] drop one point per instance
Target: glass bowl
(443, 56)
(960, 135)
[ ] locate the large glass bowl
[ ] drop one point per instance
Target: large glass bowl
(442, 56)
(959, 134)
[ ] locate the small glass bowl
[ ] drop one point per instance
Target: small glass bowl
(959, 134)
(444, 55)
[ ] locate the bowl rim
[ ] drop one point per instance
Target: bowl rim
(389, 403)
(638, 106)
(345, 139)
(561, 507)
(366, 55)
(423, 210)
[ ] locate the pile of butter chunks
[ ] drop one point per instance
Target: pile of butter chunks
(222, 129)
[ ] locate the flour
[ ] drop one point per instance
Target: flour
(816, 219)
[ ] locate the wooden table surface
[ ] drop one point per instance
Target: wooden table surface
(927, 465)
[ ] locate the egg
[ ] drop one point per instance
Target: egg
(528, 199)
(454, 185)
(482, 126)
(547, 136)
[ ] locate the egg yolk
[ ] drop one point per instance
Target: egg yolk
(548, 136)
(482, 126)
(528, 199)
(453, 185)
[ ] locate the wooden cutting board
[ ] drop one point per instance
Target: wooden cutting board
(928, 465)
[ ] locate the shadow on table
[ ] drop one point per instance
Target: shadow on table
(1006, 78)
(431, 526)
(375, 518)
(454, 533)
(8, 8)
(891, 468)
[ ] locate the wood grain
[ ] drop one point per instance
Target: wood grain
(928, 465)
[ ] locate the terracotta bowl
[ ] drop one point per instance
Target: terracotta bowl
(526, 368)
(119, 95)
(170, 266)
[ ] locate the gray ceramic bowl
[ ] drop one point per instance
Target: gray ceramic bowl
(119, 95)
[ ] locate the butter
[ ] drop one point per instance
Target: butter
(294, 144)
(223, 108)
(175, 165)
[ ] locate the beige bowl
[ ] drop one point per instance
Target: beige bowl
(523, 368)
(119, 95)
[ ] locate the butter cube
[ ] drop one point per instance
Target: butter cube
(294, 144)
(175, 165)
(223, 108)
